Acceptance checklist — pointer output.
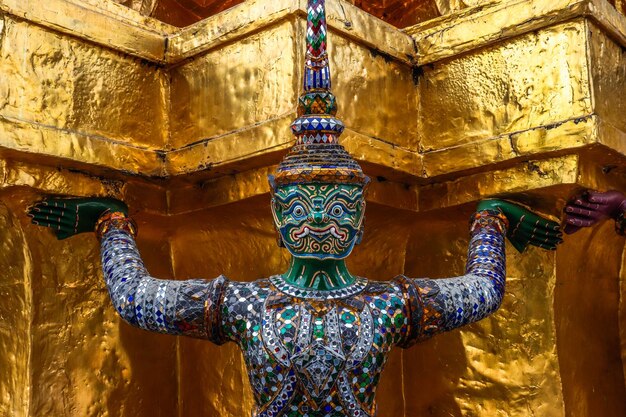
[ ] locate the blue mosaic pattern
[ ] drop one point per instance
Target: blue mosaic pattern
(164, 306)
(445, 304)
(308, 355)
(317, 75)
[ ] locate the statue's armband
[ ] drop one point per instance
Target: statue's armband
(415, 310)
(213, 311)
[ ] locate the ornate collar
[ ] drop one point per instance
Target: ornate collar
(356, 287)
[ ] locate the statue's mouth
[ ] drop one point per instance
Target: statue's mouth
(319, 233)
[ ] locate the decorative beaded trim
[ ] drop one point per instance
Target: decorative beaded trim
(290, 289)
(488, 217)
(115, 220)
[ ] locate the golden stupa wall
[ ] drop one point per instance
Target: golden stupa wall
(523, 98)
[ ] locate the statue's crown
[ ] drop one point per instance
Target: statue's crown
(317, 155)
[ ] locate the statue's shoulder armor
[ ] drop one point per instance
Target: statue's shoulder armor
(241, 304)
(386, 290)
(244, 293)
(259, 283)
(380, 287)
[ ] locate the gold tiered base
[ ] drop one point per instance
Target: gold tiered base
(521, 98)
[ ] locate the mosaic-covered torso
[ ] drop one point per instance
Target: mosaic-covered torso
(314, 357)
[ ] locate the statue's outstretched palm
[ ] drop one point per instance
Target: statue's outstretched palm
(525, 227)
(71, 216)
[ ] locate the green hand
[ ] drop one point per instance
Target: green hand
(71, 216)
(525, 227)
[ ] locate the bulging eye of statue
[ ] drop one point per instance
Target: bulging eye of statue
(298, 211)
(336, 210)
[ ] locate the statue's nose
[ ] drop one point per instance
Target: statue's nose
(318, 216)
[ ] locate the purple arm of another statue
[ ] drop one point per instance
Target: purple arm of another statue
(439, 305)
(165, 306)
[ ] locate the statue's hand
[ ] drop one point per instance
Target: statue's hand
(592, 207)
(525, 227)
(71, 216)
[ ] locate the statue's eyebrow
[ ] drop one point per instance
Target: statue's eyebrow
(287, 198)
(351, 197)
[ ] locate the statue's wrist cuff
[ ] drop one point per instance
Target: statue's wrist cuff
(115, 220)
(489, 218)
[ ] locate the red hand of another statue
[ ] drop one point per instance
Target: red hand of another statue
(591, 207)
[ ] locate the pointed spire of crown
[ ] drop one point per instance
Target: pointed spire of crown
(317, 155)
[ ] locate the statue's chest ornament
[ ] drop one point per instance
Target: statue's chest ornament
(318, 355)
(324, 342)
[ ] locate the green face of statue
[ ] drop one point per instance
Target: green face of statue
(319, 220)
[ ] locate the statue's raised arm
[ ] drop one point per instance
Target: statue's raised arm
(439, 305)
(186, 308)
